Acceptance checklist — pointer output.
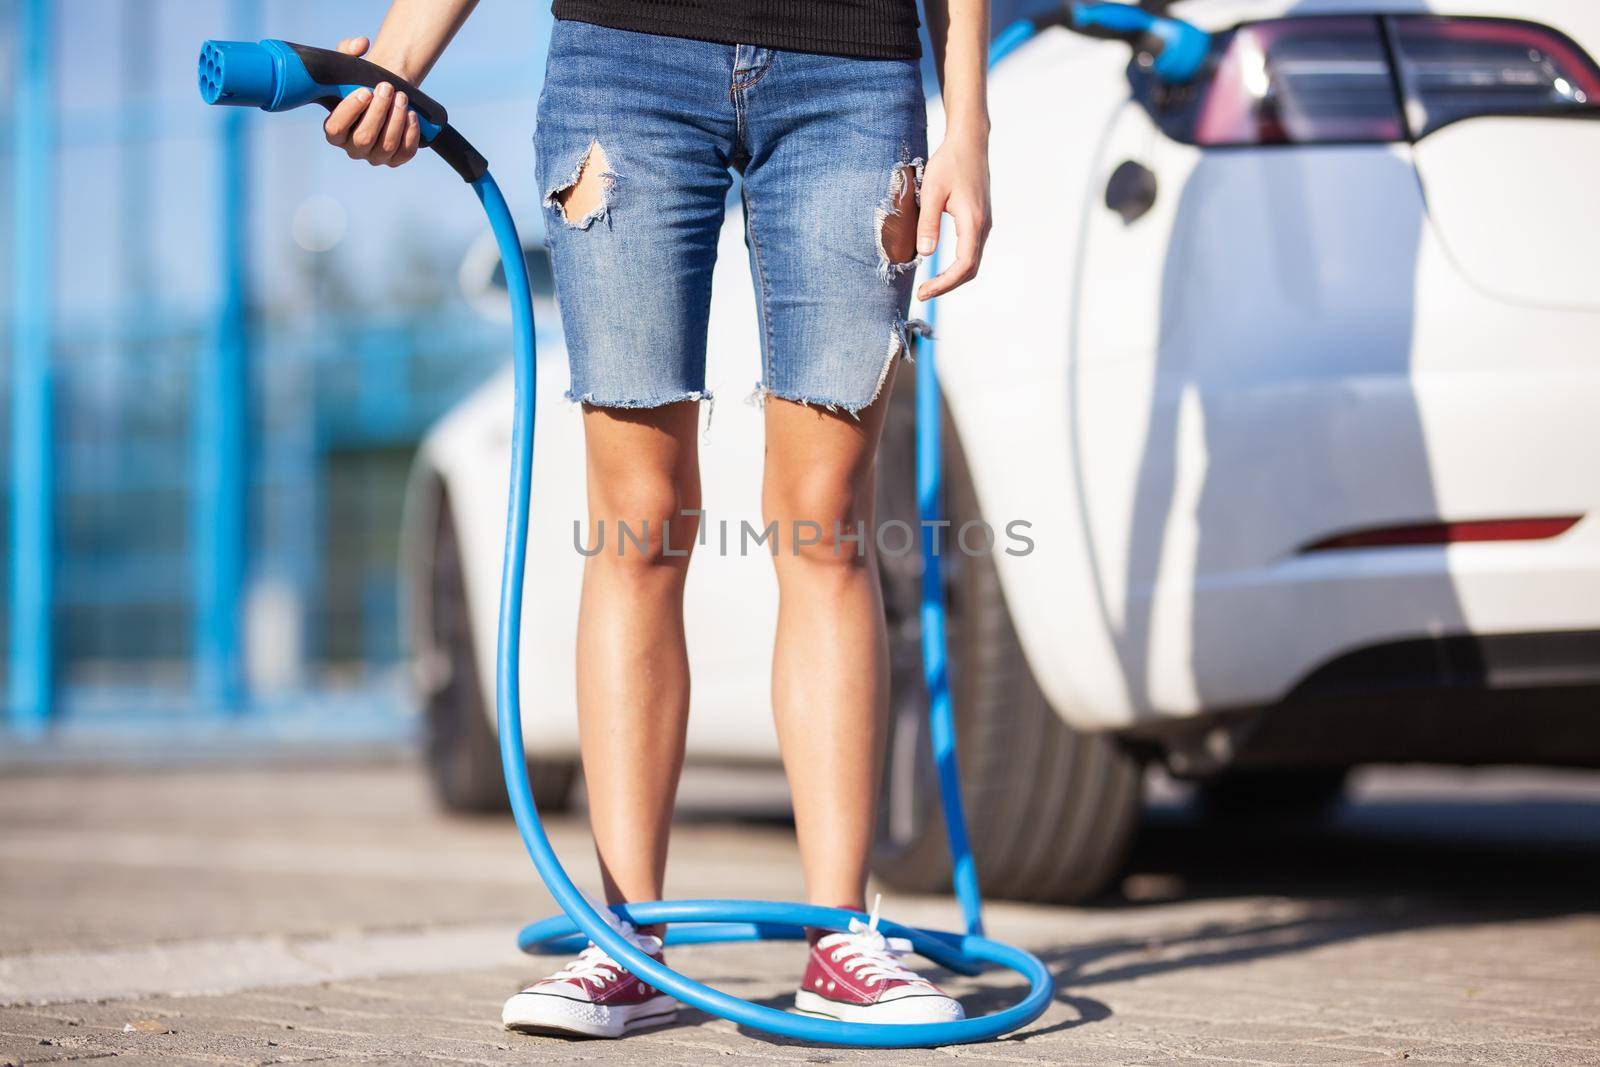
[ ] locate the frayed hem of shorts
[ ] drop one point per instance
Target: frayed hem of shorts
(591, 400)
(902, 344)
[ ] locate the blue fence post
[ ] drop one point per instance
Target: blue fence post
(32, 659)
(221, 438)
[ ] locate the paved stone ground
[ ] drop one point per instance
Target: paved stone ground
(260, 916)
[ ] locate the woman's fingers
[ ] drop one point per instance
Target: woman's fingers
(972, 230)
(364, 138)
(394, 131)
(342, 119)
(410, 142)
(375, 125)
(336, 128)
(934, 197)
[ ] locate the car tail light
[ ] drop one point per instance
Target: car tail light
(1301, 81)
(1372, 78)
(1456, 68)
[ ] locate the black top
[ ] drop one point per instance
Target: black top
(865, 29)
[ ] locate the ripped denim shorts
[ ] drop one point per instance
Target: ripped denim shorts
(637, 140)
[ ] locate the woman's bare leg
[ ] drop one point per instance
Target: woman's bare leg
(830, 675)
(633, 669)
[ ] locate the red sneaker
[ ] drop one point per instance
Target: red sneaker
(857, 977)
(592, 997)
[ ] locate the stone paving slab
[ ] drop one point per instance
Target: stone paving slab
(333, 916)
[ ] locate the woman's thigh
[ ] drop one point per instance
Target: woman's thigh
(634, 137)
(836, 148)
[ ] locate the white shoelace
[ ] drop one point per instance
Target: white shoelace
(871, 957)
(594, 963)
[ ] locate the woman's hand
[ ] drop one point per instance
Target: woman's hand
(956, 182)
(375, 125)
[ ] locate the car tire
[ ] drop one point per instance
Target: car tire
(462, 751)
(1051, 811)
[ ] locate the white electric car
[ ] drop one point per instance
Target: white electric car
(1294, 375)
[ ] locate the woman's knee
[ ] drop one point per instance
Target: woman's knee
(821, 519)
(642, 520)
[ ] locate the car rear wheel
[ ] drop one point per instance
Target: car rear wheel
(1051, 811)
(462, 751)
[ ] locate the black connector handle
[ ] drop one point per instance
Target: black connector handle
(333, 68)
(337, 70)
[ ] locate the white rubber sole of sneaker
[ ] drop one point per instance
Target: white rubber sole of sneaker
(547, 1013)
(912, 1009)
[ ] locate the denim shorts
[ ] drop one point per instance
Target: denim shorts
(825, 147)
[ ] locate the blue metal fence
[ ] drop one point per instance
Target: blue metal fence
(29, 629)
(202, 474)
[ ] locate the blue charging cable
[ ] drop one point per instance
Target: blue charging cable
(278, 76)
(1175, 51)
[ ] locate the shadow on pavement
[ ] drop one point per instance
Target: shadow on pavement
(1504, 857)
(1367, 869)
